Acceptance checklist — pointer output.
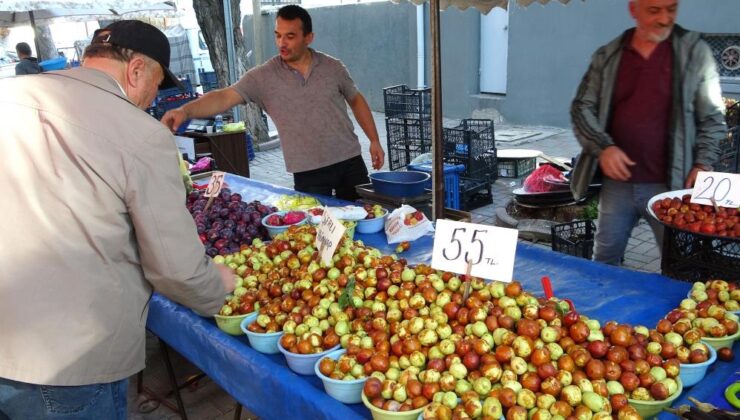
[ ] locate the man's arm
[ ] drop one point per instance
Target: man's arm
(614, 163)
(212, 103)
(364, 117)
(710, 122)
(172, 258)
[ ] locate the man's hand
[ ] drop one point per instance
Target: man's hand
(691, 178)
(377, 154)
(227, 277)
(615, 164)
(173, 118)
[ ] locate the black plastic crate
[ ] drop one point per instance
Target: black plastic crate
(208, 80)
(472, 144)
(732, 116)
(474, 193)
(516, 168)
(574, 238)
(171, 102)
(729, 151)
(402, 102)
(692, 257)
(407, 139)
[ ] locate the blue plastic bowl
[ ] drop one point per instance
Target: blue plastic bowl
(348, 392)
(303, 363)
(371, 225)
(59, 63)
(399, 184)
(693, 373)
(275, 230)
(262, 342)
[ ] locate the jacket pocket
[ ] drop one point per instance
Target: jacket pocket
(70, 399)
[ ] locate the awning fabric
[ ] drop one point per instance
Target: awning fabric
(484, 6)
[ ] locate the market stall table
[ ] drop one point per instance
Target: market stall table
(267, 387)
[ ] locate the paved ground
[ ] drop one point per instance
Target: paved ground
(207, 401)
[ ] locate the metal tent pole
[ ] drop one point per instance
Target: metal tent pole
(438, 193)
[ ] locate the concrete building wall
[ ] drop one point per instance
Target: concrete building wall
(549, 50)
(376, 41)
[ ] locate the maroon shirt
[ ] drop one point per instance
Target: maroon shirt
(641, 110)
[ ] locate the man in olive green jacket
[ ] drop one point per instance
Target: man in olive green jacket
(604, 120)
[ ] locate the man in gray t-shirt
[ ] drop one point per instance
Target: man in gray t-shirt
(306, 93)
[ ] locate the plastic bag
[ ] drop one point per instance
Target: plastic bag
(406, 224)
(545, 178)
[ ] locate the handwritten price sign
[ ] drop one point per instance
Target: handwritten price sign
(329, 234)
(215, 184)
(723, 188)
(490, 249)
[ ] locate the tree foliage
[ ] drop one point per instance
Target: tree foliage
(211, 18)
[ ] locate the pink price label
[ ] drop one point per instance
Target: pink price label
(214, 185)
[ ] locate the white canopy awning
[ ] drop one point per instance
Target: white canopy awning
(18, 13)
(484, 6)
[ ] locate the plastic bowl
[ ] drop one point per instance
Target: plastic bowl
(379, 414)
(350, 225)
(372, 225)
(721, 342)
(348, 392)
(648, 409)
(693, 373)
(399, 184)
(231, 324)
(303, 363)
(275, 230)
(262, 342)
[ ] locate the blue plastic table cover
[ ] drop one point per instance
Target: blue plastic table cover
(267, 387)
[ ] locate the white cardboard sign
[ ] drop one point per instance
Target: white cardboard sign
(214, 184)
(491, 249)
(724, 188)
(328, 235)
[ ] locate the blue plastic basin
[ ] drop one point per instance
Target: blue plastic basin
(59, 63)
(399, 184)
(692, 373)
(372, 225)
(348, 392)
(262, 342)
(303, 363)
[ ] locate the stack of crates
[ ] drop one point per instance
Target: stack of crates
(452, 181)
(408, 123)
(729, 157)
(208, 80)
(172, 98)
(472, 144)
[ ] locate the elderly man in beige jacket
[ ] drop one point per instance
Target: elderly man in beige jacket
(92, 222)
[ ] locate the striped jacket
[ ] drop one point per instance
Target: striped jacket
(697, 121)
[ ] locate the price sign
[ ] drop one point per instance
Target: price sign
(723, 188)
(214, 184)
(328, 235)
(490, 249)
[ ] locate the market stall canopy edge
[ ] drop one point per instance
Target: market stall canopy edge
(484, 6)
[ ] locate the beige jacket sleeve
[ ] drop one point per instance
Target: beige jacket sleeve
(172, 256)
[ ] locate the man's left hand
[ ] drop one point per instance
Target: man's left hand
(691, 178)
(377, 154)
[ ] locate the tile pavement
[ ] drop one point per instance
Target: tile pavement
(206, 400)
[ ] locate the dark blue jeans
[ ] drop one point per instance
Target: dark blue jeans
(22, 401)
(621, 205)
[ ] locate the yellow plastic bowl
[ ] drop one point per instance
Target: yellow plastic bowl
(350, 225)
(379, 414)
(721, 342)
(230, 324)
(649, 409)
